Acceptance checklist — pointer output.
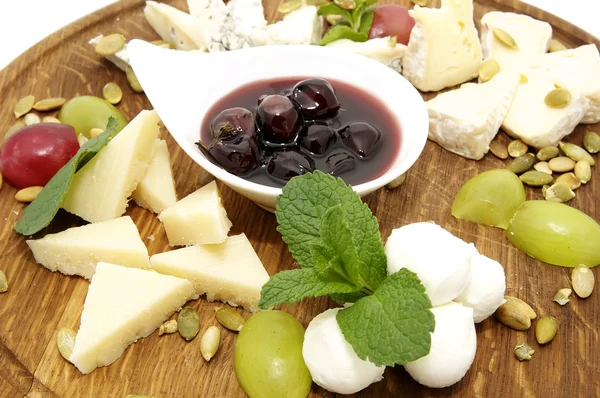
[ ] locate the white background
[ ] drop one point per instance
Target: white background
(25, 22)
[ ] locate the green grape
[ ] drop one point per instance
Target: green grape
(87, 112)
(490, 198)
(555, 233)
(268, 357)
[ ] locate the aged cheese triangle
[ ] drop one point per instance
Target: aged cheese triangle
(175, 26)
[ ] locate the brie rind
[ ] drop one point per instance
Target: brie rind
(385, 50)
(578, 68)
(174, 26)
(120, 59)
(534, 122)
(444, 48)
(465, 121)
(532, 38)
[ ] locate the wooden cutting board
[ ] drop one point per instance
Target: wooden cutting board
(40, 302)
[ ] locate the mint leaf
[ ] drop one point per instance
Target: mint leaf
(295, 285)
(334, 9)
(343, 298)
(338, 32)
(42, 210)
(366, 21)
(394, 325)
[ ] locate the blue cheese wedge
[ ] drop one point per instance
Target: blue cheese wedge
(249, 19)
(534, 122)
(174, 26)
(531, 36)
(444, 49)
(578, 68)
(385, 50)
(465, 121)
(120, 59)
(123, 305)
(301, 26)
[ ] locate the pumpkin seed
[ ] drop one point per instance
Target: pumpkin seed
(168, 327)
(290, 5)
(110, 44)
(112, 93)
(229, 318)
(316, 2)
(396, 182)
(95, 132)
(31, 119)
(3, 282)
(333, 19)
(50, 119)
(523, 352)
(517, 148)
(65, 341)
(556, 46)
(346, 4)
(583, 171)
(562, 296)
(488, 69)
(535, 178)
(27, 195)
(582, 279)
(523, 79)
(576, 152)
(515, 313)
(24, 105)
(210, 342)
(82, 139)
(49, 104)
(558, 98)
(188, 323)
(545, 329)
(498, 149)
(547, 153)
(521, 164)
(505, 38)
(558, 192)
(561, 164)
(133, 81)
(422, 3)
(162, 44)
(542, 167)
(570, 179)
(591, 142)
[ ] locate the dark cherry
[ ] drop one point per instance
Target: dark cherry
(315, 98)
(260, 99)
(233, 121)
(286, 164)
(317, 137)
(362, 138)
(238, 154)
(340, 162)
(277, 119)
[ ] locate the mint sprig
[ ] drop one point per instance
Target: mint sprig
(42, 210)
(355, 24)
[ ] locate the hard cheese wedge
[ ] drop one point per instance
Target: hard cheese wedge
(199, 218)
(385, 50)
(465, 121)
(76, 251)
(101, 188)
(229, 272)
(123, 305)
(534, 122)
(578, 68)
(156, 191)
(301, 26)
(443, 49)
(174, 26)
(531, 36)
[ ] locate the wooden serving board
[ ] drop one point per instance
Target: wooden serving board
(39, 302)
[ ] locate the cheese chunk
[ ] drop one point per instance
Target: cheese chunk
(120, 59)
(230, 271)
(443, 49)
(174, 26)
(121, 306)
(532, 38)
(578, 68)
(156, 191)
(76, 251)
(199, 218)
(301, 26)
(534, 122)
(385, 50)
(101, 188)
(465, 121)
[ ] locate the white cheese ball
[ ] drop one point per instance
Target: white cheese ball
(441, 260)
(453, 346)
(485, 290)
(331, 360)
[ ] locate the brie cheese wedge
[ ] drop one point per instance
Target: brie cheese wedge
(532, 38)
(120, 59)
(301, 26)
(578, 68)
(385, 50)
(465, 121)
(174, 26)
(444, 48)
(534, 122)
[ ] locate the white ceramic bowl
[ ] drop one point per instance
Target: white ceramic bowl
(182, 87)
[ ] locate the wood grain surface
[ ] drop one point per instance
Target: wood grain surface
(40, 302)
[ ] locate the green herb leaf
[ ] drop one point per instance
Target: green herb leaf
(334, 9)
(42, 210)
(338, 32)
(366, 22)
(394, 325)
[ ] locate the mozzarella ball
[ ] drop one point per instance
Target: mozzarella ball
(453, 346)
(485, 290)
(331, 360)
(441, 260)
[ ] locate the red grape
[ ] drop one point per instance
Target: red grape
(392, 20)
(32, 155)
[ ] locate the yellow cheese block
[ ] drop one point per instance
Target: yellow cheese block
(101, 188)
(122, 305)
(156, 191)
(230, 272)
(199, 218)
(76, 251)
